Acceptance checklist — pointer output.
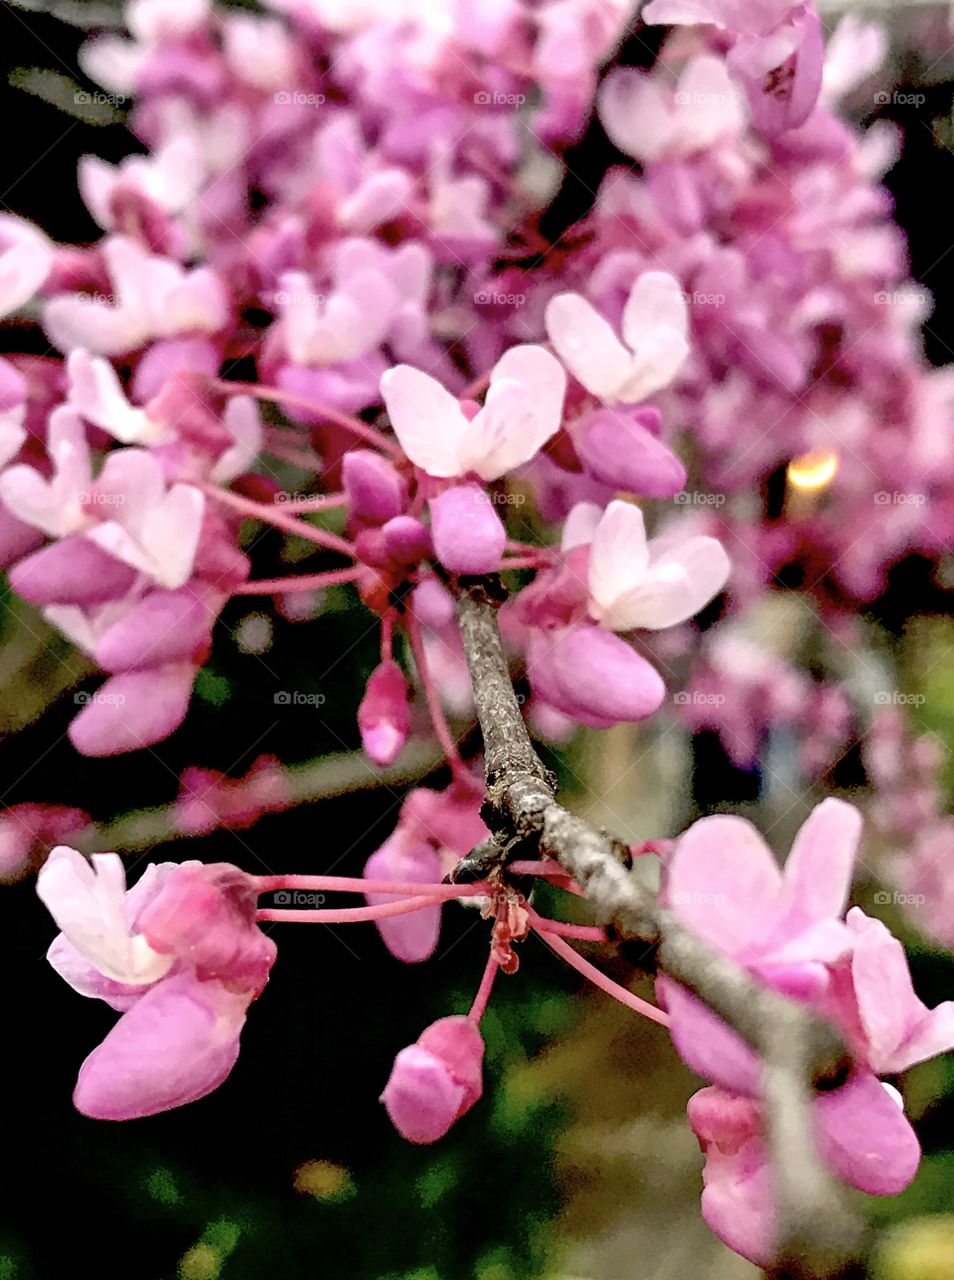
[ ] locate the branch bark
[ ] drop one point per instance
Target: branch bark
(819, 1237)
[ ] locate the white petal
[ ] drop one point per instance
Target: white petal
(427, 420)
(656, 301)
(675, 588)
(587, 345)
(619, 560)
(657, 362)
(522, 410)
(580, 525)
(87, 902)
(243, 423)
(96, 393)
(636, 113)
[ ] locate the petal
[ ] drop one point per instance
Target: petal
(676, 588)
(133, 710)
(899, 1027)
(635, 112)
(522, 410)
(580, 526)
(87, 901)
(165, 626)
(587, 345)
(73, 571)
(738, 1202)
(656, 301)
(865, 1137)
(706, 1044)
(411, 938)
(724, 883)
(593, 676)
(619, 559)
(818, 870)
(95, 392)
(617, 449)
(427, 420)
(175, 1045)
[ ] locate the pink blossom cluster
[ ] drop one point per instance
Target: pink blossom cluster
(338, 215)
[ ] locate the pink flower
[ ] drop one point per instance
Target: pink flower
(179, 954)
(649, 583)
(652, 121)
(435, 1081)
(862, 1133)
(655, 330)
(522, 410)
(783, 926)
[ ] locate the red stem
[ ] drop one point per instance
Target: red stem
(435, 709)
(300, 582)
(356, 426)
(484, 990)
(259, 511)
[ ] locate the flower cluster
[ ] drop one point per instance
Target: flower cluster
(339, 215)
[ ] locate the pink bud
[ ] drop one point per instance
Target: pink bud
(436, 1081)
(407, 540)
(384, 716)
(376, 492)
(468, 534)
(623, 450)
(165, 626)
(593, 676)
(133, 710)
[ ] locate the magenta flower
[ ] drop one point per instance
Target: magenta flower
(179, 954)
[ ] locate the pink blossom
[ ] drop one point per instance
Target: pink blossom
(521, 412)
(435, 1081)
(655, 327)
(407, 855)
(179, 954)
(26, 257)
(384, 714)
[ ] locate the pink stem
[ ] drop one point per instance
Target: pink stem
(387, 636)
(435, 710)
(581, 932)
(259, 511)
(484, 990)
(575, 961)
(346, 915)
(301, 582)
(355, 425)
(356, 884)
(303, 458)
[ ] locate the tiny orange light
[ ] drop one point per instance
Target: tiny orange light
(812, 471)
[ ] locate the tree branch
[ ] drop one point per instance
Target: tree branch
(819, 1239)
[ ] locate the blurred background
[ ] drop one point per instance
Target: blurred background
(578, 1165)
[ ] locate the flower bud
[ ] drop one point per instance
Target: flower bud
(434, 1082)
(622, 449)
(468, 534)
(384, 716)
(376, 491)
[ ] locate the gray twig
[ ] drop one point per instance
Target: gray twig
(819, 1237)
